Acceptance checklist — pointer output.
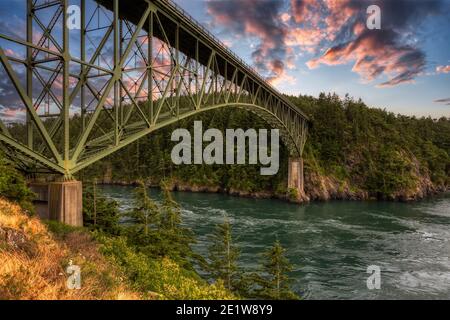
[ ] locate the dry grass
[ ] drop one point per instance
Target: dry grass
(33, 262)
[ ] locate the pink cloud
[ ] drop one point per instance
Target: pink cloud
(374, 54)
(334, 28)
(261, 19)
(443, 69)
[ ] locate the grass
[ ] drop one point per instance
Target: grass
(160, 278)
(35, 255)
(34, 261)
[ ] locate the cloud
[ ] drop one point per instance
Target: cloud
(9, 98)
(279, 74)
(333, 30)
(12, 115)
(446, 101)
(391, 52)
(374, 54)
(443, 69)
(262, 19)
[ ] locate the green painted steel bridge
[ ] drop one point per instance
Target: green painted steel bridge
(133, 67)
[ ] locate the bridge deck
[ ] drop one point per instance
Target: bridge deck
(189, 32)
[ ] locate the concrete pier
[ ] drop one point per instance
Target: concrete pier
(60, 201)
(295, 175)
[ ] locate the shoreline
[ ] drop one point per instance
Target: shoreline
(271, 195)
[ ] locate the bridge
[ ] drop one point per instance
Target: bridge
(131, 68)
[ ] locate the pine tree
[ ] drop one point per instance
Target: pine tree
(145, 211)
(274, 282)
(171, 218)
(223, 256)
(176, 240)
(13, 186)
(99, 212)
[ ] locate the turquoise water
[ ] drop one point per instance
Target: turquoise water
(331, 244)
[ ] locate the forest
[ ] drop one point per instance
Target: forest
(352, 152)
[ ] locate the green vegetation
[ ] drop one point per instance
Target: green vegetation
(99, 212)
(360, 149)
(154, 250)
(274, 282)
(13, 185)
(375, 150)
(149, 159)
(156, 231)
(271, 282)
(223, 256)
(158, 278)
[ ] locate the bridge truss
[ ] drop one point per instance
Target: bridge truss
(134, 67)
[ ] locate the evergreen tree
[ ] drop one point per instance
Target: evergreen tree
(223, 256)
(176, 240)
(13, 186)
(171, 218)
(99, 212)
(274, 282)
(145, 212)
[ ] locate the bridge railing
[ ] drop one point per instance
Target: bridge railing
(220, 44)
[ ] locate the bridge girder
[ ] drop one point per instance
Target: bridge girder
(140, 67)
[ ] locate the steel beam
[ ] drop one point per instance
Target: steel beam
(176, 78)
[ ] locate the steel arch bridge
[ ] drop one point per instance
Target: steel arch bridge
(133, 67)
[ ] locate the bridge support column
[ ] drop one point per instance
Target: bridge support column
(60, 201)
(296, 177)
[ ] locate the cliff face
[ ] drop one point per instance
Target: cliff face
(399, 176)
(422, 187)
(322, 187)
(318, 187)
(416, 184)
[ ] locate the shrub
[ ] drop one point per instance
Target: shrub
(13, 185)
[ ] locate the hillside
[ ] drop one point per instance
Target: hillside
(35, 257)
(353, 152)
(34, 262)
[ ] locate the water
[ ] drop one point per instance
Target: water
(333, 243)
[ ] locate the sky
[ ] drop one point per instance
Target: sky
(313, 46)
(303, 47)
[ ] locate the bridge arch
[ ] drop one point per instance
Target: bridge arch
(294, 143)
(144, 65)
(179, 69)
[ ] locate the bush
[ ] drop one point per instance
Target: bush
(293, 194)
(162, 278)
(13, 185)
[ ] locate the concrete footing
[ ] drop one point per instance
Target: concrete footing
(60, 201)
(295, 175)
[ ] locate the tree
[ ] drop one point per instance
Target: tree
(13, 185)
(171, 218)
(99, 212)
(223, 256)
(175, 240)
(274, 282)
(145, 211)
